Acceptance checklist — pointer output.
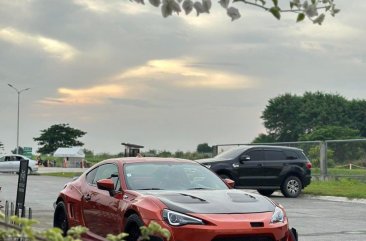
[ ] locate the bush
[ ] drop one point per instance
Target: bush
(22, 229)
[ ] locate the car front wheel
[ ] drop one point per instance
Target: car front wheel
(291, 187)
(133, 224)
(60, 218)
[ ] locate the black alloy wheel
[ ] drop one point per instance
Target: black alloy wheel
(291, 187)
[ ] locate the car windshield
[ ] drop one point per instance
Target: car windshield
(170, 176)
(232, 153)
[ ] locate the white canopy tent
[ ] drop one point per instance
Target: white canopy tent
(74, 156)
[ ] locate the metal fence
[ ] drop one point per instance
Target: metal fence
(9, 210)
(330, 158)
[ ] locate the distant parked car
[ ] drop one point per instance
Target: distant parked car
(265, 168)
(11, 163)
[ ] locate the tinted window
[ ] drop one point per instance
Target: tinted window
(2, 159)
(273, 155)
(291, 155)
(256, 155)
(232, 153)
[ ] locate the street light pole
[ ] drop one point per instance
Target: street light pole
(18, 92)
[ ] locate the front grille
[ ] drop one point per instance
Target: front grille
(244, 238)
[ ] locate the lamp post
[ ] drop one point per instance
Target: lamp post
(18, 92)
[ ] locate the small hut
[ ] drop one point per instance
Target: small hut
(132, 150)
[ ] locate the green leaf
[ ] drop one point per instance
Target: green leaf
(275, 2)
(275, 12)
(300, 17)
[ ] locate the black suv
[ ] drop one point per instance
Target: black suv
(265, 168)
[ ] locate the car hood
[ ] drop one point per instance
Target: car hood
(213, 201)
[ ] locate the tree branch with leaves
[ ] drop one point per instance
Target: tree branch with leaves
(314, 10)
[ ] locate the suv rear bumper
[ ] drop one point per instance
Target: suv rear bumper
(307, 180)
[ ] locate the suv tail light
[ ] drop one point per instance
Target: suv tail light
(308, 165)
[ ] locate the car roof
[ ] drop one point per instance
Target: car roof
(148, 159)
(267, 146)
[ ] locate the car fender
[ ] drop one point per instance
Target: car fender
(291, 170)
(147, 208)
(72, 197)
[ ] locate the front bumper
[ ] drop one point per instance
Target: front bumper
(233, 227)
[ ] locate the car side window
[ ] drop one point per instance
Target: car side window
(90, 176)
(2, 159)
(107, 171)
(255, 155)
(291, 155)
(274, 155)
(18, 158)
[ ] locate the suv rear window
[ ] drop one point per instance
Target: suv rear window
(273, 155)
(291, 155)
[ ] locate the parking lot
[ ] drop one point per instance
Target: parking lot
(315, 218)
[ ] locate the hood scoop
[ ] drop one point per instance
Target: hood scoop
(241, 197)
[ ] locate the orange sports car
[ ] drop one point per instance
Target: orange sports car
(193, 203)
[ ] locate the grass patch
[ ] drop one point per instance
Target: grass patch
(342, 188)
(341, 171)
(62, 174)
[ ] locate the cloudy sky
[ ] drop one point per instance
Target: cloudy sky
(123, 73)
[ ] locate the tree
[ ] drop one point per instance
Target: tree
(331, 133)
(263, 138)
(60, 135)
(314, 10)
(341, 152)
(282, 118)
(288, 117)
(20, 151)
(204, 148)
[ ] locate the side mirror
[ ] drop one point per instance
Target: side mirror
(244, 158)
(230, 183)
(106, 184)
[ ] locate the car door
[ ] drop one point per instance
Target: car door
(11, 163)
(15, 163)
(4, 164)
(275, 159)
(100, 209)
(250, 165)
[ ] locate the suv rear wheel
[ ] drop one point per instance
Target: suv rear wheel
(291, 187)
(265, 192)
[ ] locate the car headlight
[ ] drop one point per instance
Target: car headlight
(278, 216)
(179, 219)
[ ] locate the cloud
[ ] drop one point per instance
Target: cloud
(106, 7)
(182, 73)
(53, 47)
(140, 85)
(88, 96)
